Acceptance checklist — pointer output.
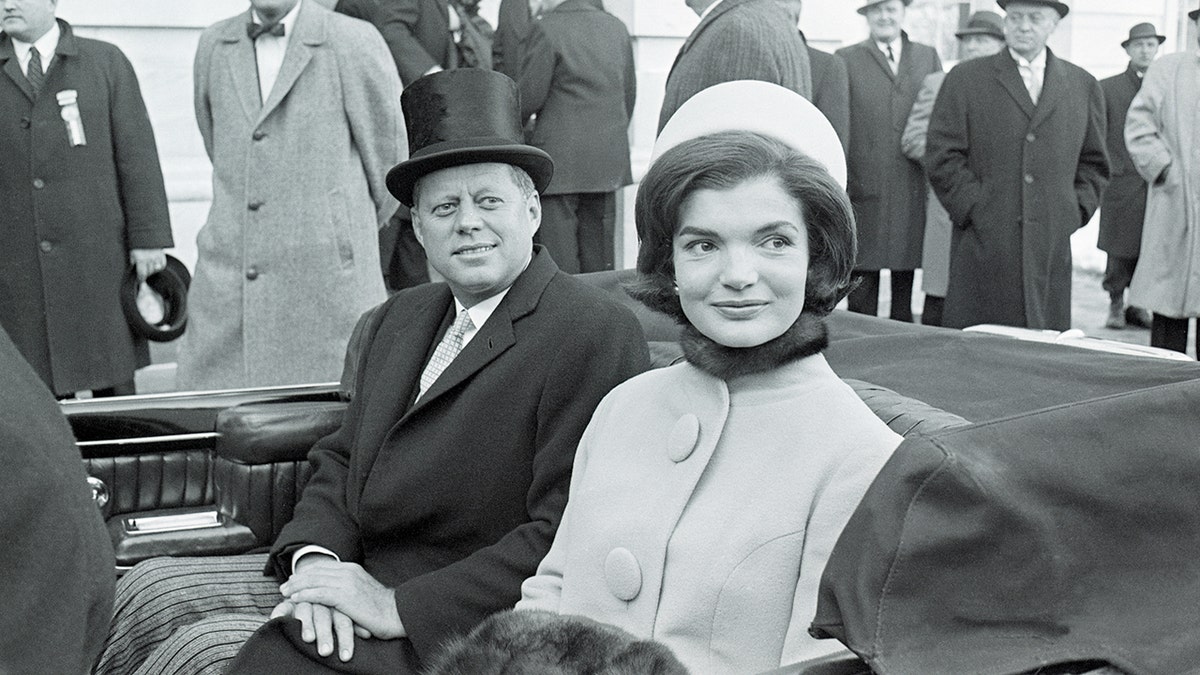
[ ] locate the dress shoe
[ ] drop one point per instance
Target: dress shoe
(1116, 315)
(1137, 317)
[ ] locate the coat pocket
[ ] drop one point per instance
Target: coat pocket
(339, 227)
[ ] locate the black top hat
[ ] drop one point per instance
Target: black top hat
(983, 23)
(1143, 30)
(1059, 7)
(169, 287)
(464, 116)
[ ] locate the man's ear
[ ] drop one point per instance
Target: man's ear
(416, 225)
(534, 204)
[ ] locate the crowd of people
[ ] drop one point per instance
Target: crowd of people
(600, 488)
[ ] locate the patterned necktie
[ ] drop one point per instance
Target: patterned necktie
(34, 74)
(254, 30)
(447, 349)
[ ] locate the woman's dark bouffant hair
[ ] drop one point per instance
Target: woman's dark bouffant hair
(721, 161)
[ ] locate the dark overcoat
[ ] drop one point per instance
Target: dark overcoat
(1017, 180)
(831, 91)
(453, 501)
(886, 188)
(417, 32)
(70, 214)
(579, 79)
(1124, 204)
(56, 561)
(738, 40)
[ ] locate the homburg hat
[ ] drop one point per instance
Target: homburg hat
(158, 311)
(983, 23)
(1143, 30)
(1059, 7)
(871, 3)
(464, 116)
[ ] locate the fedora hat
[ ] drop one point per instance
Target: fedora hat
(871, 3)
(1059, 7)
(1143, 30)
(759, 107)
(983, 23)
(464, 116)
(157, 310)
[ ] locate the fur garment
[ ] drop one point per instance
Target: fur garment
(805, 337)
(535, 642)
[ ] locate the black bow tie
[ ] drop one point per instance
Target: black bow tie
(256, 29)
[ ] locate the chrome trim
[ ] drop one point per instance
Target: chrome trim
(147, 440)
(99, 492)
(176, 522)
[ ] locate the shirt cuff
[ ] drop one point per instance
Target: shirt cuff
(311, 548)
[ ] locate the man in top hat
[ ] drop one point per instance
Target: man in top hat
(79, 202)
(982, 36)
(444, 486)
(736, 40)
(887, 189)
(1162, 133)
(1015, 153)
(299, 111)
(1124, 203)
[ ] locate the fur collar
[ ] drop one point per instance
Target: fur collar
(806, 337)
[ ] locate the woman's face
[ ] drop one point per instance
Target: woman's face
(741, 262)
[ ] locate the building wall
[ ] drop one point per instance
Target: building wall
(160, 36)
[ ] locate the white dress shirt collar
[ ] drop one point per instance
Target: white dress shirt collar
(269, 51)
(897, 46)
(480, 312)
(708, 10)
(46, 46)
(288, 21)
(1038, 64)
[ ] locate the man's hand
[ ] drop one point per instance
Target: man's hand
(339, 600)
(147, 261)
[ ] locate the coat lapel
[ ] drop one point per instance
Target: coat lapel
(243, 66)
(880, 58)
(310, 33)
(1010, 79)
(496, 336)
(12, 66)
(1053, 83)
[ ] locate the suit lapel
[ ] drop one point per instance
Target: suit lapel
(1053, 85)
(1134, 80)
(310, 32)
(1010, 79)
(12, 66)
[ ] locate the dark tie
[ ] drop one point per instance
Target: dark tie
(256, 29)
(891, 55)
(34, 74)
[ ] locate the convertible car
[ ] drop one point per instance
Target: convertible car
(1042, 512)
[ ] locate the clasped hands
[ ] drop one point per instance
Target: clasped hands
(335, 601)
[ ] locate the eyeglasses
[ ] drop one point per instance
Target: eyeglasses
(1036, 19)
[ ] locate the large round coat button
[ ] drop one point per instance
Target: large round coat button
(683, 438)
(38, 183)
(252, 273)
(622, 574)
(46, 246)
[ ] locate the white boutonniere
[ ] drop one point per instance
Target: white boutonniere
(68, 101)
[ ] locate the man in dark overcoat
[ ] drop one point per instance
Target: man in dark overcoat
(830, 83)
(1018, 173)
(1124, 205)
(736, 40)
(56, 560)
(444, 486)
(579, 84)
(886, 187)
(79, 201)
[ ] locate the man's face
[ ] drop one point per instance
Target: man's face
(1027, 27)
(27, 20)
(884, 20)
(476, 225)
(1142, 52)
(272, 10)
(975, 46)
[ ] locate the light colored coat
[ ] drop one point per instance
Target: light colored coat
(935, 252)
(701, 513)
(1163, 131)
(289, 255)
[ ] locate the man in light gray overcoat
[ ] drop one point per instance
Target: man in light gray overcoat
(300, 113)
(1162, 132)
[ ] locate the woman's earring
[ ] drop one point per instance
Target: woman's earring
(675, 288)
